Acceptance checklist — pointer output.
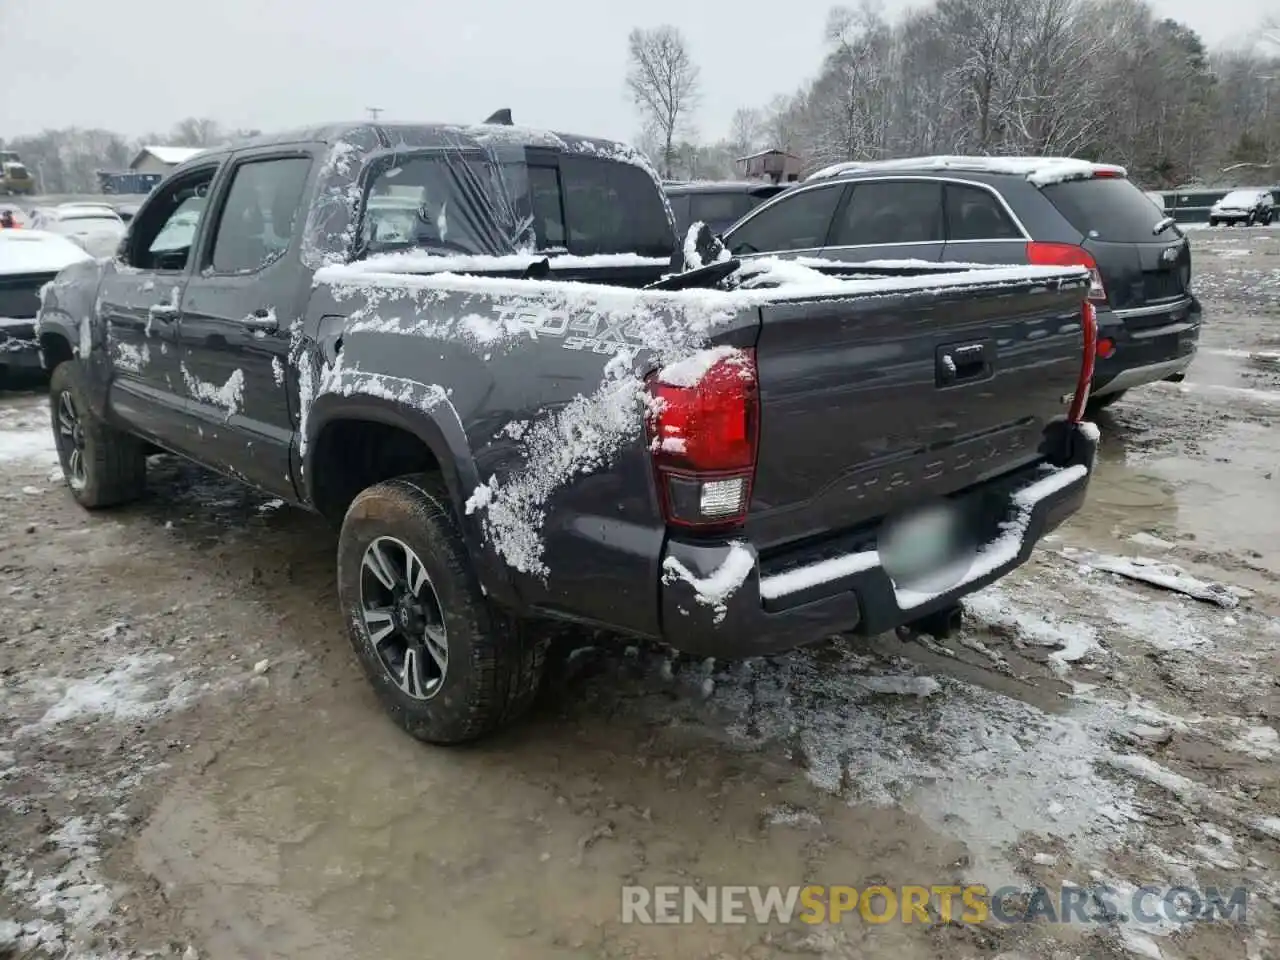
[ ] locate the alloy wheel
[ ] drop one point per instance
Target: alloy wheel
(403, 617)
(70, 440)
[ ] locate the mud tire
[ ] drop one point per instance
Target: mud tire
(495, 662)
(114, 463)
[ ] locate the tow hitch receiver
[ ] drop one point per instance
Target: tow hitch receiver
(940, 624)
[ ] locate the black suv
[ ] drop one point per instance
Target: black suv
(1007, 210)
(717, 203)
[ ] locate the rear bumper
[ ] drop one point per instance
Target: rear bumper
(19, 346)
(802, 599)
(1152, 344)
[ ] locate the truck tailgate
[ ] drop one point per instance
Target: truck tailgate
(870, 404)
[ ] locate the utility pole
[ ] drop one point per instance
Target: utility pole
(373, 113)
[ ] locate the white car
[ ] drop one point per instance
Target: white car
(28, 260)
(95, 227)
(1243, 206)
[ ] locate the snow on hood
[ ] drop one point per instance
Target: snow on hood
(37, 251)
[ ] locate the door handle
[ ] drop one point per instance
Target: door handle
(262, 319)
(960, 363)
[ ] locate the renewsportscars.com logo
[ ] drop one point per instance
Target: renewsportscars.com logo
(974, 904)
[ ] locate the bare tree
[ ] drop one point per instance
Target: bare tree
(745, 130)
(663, 81)
(196, 132)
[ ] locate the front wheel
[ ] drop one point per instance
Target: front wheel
(1213, 222)
(103, 466)
(447, 665)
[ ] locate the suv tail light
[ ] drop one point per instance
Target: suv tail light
(1042, 254)
(703, 438)
(1089, 348)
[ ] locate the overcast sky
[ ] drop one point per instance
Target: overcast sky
(140, 65)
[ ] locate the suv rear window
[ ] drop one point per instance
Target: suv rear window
(1106, 208)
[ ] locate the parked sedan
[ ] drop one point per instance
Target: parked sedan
(1250, 206)
(1005, 210)
(95, 227)
(28, 260)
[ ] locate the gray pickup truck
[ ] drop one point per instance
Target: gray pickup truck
(483, 353)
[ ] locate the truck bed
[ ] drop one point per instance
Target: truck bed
(861, 415)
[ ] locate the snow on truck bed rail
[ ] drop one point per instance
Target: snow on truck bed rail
(417, 262)
(793, 280)
(1041, 171)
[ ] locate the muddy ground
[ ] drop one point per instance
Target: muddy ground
(191, 764)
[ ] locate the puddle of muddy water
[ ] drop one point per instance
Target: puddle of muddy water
(338, 836)
(1222, 496)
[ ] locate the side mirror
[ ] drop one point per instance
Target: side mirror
(702, 247)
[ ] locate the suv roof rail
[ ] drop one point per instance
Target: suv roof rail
(502, 116)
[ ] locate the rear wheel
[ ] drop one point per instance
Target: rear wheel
(447, 665)
(103, 466)
(1213, 222)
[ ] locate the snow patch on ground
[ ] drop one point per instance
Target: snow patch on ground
(943, 752)
(1070, 641)
(1263, 743)
(1161, 574)
(18, 445)
(125, 690)
(25, 433)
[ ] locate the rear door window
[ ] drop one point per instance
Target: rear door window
(1110, 209)
(891, 211)
(800, 221)
(257, 218)
(612, 207)
(975, 214)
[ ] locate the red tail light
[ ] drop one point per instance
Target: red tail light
(1089, 329)
(1068, 255)
(703, 432)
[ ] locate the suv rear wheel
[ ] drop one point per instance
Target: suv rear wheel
(102, 465)
(447, 665)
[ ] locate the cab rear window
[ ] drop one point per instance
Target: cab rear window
(1107, 208)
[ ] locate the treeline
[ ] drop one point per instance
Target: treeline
(1098, 79)
(65, 161)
